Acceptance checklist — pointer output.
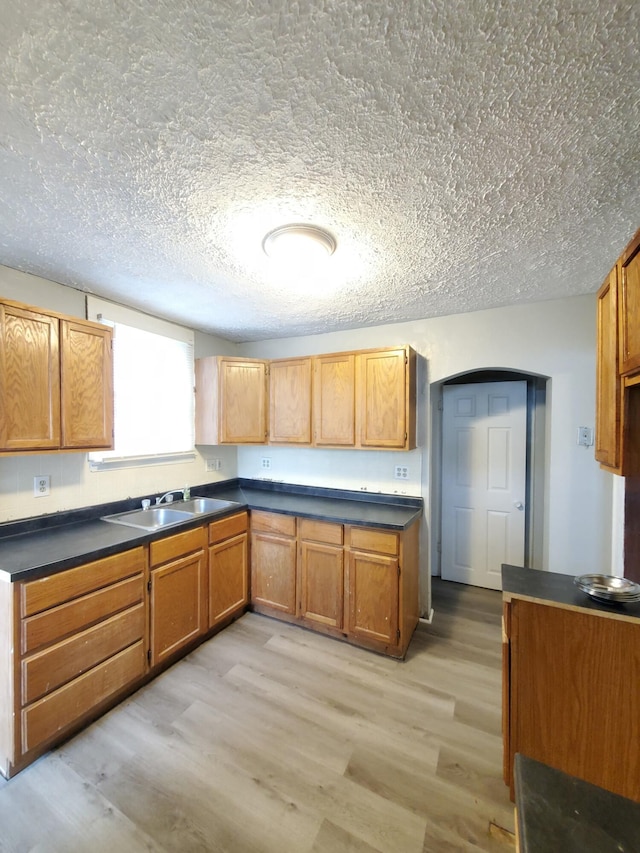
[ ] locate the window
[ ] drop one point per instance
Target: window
(153, 381)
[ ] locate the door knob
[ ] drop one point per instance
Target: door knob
(518, 504)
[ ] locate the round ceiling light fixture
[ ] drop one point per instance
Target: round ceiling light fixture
(299, 243)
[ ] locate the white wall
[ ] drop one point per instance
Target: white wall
(72, 483)
(554, 339)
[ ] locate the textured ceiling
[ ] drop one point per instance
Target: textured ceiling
(464, 154)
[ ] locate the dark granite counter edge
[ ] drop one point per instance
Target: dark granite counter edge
(556, 811)
(79, 527)
(558, 590)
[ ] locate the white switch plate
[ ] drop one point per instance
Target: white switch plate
(585, 436)
(41, 485)
(213, 464)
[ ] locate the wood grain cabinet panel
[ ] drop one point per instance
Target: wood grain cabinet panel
(29, 380)
(56, 381)
(629, 275)
(608, 382)
(178, 601)
(231, 400)
(386, 399)
(321, 573)
(86, 367)
(574, 701)
(334, 400)
(228, 568)
(273, 561)
(290, 401)
(373, 598)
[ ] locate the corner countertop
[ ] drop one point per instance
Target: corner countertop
(559, 590)
(39, 547)
(556, 811)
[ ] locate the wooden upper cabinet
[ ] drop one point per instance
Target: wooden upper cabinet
(385, 380)
(86, 369)
(290, 401)
(608, 385)
(629, 286)
(29, 380)
(231, 397)
(334, 400)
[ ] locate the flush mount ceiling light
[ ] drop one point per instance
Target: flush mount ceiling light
(299, 243)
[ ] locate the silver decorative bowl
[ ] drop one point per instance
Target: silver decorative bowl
(609, 588)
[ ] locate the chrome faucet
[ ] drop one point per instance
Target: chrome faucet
(167, 497)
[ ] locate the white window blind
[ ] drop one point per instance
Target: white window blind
(153, 380)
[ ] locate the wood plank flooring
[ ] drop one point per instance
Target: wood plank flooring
(271, 739)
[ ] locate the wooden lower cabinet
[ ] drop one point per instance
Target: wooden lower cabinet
(71, 643)
(228, 568)
(357, 583)
(571, 693)
(178, 592)
(273, 562)
(321, 573)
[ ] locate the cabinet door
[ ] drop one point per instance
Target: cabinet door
(373, 597)
(608, 385)
(242, 401)
(29, 380)
(273, 571)
(87, 385)
(575, 703)
(290, 401)
(322, 583)
(382, 393)
(178, 605)
(334, 400)
(630, 307)
(228, 578)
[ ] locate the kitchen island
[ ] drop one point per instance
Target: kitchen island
(571, 669)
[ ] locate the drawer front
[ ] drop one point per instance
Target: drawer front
(56, 589)
(44, 719)
(47, 670)
(371, 539)
(320, 531)
(233, 525)
(167, 549)
(59, 622)
(273, 522)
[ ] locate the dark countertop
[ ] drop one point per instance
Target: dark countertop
(554, 588)
(557, 812)
(39, 547)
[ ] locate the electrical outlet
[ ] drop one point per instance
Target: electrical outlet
(265, 462)
(41, 485)
(213, 464)
(401, 472)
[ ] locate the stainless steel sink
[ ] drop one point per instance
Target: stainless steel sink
(159, 517)
(150, 519)
(201, 505)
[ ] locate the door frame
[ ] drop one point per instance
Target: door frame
(536, 521)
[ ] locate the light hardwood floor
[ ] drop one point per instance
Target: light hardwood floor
(271, 739)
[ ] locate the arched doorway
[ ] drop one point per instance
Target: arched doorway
(530, 507)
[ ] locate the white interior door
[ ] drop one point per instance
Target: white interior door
(484, 445)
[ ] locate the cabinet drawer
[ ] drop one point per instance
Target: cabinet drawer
(178, 545)
(320, 531)
(56, 589)
(53, 667)
(59, 622)
(273, 522)
(227, 527)
(370, 539)
(58, 710)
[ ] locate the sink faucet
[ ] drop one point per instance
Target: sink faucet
(168, 496)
